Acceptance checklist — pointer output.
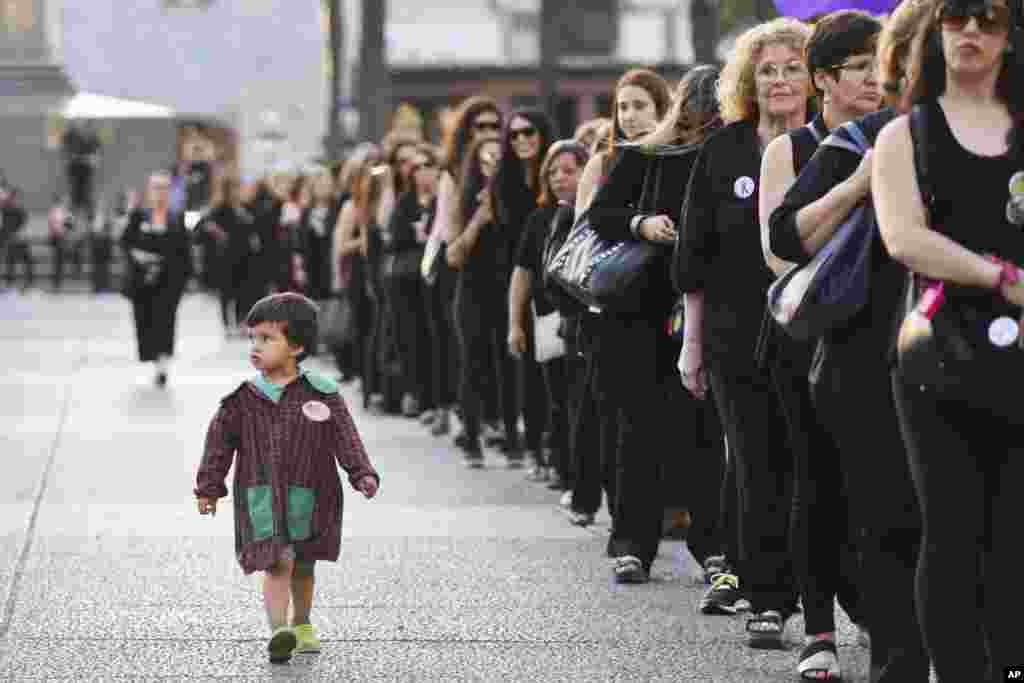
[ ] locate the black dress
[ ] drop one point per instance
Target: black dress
(158, 287)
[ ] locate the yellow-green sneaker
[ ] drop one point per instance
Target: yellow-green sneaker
(307, 640)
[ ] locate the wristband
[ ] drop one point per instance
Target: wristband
(1009, 274)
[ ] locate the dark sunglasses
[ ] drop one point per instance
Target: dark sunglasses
(991, 18)
(487, 125)
(527, 132)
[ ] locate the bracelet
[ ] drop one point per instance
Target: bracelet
(1009, 274)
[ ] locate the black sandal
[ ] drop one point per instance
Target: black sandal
(765, 630)
(818, 662)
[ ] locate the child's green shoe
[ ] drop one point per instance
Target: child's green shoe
(308, 641)
(281, 645)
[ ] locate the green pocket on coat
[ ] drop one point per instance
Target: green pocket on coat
(261, 511)
(301, 501)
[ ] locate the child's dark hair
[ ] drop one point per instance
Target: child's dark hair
(296, 314)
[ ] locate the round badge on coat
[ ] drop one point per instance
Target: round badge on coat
(316, 411)
(1017, 184)
(744, 186)
(1003, 331)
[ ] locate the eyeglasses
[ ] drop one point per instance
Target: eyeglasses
(860, 68)
(487, 125)
(991, 18)
(527, 132)
(794, 71)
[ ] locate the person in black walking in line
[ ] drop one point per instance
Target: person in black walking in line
(851, 368)
(477, 118)
(514, 194)
(962, 145)
(640, 199)
(12, 222)
(158, 253)
(559, 175)
(763, 92)
(840, 60)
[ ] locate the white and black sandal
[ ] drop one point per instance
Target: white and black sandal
(819, 662)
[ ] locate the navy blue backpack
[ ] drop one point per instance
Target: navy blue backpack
(810, 299)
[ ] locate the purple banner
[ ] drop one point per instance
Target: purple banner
(807, 9)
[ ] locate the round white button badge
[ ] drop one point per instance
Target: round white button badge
(1003, 331)
(316, 411)
(744, 186)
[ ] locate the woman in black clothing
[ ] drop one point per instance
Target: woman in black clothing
(559, 175)
(402, 245)
(963, 446)
(851, 370)
(763, 93)
(514, 194)
(474, 247)
(641, 99)
(641, 199)
(840, 58)
(225, 225)
(159, 256)
(315, 237)
(670, 151)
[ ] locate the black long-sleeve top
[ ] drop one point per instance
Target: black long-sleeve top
(621, 199)
(719, 247)
(866, 334)
(172, 244)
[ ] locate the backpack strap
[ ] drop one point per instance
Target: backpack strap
(918, 120)
(805, 142)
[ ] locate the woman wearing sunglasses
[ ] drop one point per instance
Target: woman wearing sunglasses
(965, 460)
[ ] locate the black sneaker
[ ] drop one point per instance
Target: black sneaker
(629, 569)
(724, 596)
(473, 456)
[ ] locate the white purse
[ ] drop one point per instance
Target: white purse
(547, 344)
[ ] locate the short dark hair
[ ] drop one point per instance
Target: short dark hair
(839, 35)
(297, 314)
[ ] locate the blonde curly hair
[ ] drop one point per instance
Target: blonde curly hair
(737, 91)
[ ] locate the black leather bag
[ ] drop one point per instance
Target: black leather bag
(604, 275)
(809, 299)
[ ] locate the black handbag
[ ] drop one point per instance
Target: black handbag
(606, 275)
(402, 265)
(809, 299)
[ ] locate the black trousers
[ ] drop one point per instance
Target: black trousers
(408, 310)
(19, 251)
(65, 250)
(758, 445)
(635, 367)
(443, 344)
(966, 465)
(156, 314)
(882, 501)
(481, 312)
(557, 380)
(825, 556)
(698, 480)
(533, 398)
(585, 436)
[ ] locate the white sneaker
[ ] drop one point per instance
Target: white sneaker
(566, 499)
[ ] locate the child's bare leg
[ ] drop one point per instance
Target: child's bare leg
(275, 593)
(302, 591)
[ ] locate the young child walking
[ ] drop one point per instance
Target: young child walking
(286, 431)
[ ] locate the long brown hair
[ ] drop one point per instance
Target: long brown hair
(460, 134)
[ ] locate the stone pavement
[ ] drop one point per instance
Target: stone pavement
(108, 573)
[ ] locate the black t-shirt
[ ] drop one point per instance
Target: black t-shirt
(719, 248)
(530, 256)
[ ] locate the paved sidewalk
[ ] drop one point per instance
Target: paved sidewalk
(107, 573)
